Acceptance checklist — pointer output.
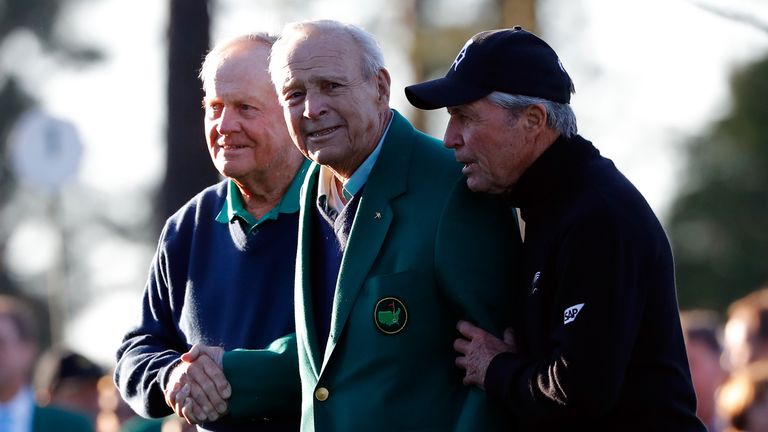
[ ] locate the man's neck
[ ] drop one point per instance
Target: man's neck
(344, 173)
(263, 194)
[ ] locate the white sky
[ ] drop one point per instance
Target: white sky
(648, 74)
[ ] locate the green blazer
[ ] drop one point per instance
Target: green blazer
(423, 252)
(49, 419)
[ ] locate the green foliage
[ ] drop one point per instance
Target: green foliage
(719, 223)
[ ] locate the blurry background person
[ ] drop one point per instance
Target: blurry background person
(18, 350)
(743, 400)
(746, 330)
(69, 380)
(113, 411)
(701, 330)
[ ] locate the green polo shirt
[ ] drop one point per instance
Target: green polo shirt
(234, 209)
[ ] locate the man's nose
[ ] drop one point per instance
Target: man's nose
(228, 122)
(452, 138)
(315, 105)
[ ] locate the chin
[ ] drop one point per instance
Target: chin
(476, 186)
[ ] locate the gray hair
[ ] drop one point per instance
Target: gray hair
(560, 117)
(372, 58)
(223, 50)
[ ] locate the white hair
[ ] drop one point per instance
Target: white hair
(560, 116)
(224, 49)
(372, 59)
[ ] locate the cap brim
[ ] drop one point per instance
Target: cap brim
(442, 92)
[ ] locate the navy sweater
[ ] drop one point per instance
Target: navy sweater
(209, 283)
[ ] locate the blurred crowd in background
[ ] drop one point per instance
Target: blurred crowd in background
(728, 356)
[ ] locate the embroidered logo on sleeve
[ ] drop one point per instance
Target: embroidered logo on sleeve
(570, 313)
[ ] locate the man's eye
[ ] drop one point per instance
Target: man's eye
(214, 109)
(292, 97)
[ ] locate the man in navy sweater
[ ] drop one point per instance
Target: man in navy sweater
(599, 344)
(223, 272)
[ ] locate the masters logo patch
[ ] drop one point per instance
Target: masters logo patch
(390, 315)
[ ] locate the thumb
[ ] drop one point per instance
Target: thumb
(192, 354)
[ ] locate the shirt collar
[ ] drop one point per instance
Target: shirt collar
(354, 183)
(235, 209)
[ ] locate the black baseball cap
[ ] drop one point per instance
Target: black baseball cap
(511, 61)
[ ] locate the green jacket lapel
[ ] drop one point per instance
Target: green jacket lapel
(374, 216)
(304, 310)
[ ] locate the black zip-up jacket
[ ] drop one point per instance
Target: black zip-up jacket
(599, 326)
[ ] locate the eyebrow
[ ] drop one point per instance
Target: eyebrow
(460, 109)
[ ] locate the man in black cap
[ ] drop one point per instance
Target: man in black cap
(68, 379)
(598, 340)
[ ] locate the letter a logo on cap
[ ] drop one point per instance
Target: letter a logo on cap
(461, 55)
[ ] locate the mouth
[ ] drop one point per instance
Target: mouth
(232, 146)
(466, 168)
(323, 132)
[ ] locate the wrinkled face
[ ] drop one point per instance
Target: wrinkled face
(336, 116)
(16, 356)
(493, 146)
(245, 129)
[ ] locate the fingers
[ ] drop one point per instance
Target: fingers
(192, 413)
(175, 384)
(220, 383)
(198, 390)
(204, 390)
(461, 345)
(186, 407)
(468, 330)
(214, 353)
(461, 362)
(177, 400)
(214, 368)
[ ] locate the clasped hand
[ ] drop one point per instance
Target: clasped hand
(197, 389)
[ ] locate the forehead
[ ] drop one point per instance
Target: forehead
(481, 107)
(319, 55)
(239, 73)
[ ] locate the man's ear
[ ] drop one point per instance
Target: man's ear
(383, 82)
(535, 117)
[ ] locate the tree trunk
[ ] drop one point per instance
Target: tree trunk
(188, 165)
